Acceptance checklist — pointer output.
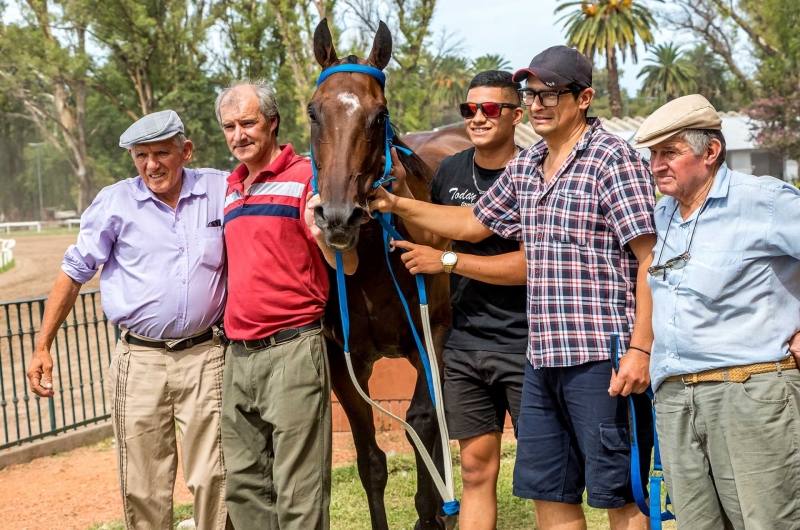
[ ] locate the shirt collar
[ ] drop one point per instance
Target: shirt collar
(191, 185)
(277, 166)
(722, 183)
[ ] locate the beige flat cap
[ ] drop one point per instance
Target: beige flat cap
(687, 112)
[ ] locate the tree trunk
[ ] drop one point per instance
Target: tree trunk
(614, 95)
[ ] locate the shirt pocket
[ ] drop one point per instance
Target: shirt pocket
(571, 217)
(711, 275)
(212, 247)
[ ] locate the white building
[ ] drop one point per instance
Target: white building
(743, 153)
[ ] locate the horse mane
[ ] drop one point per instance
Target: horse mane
(414, 165)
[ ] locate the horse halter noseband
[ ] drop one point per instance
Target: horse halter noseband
(380, 77)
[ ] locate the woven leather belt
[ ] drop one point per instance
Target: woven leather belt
(734, 374)
(178, 346)
(279, 337)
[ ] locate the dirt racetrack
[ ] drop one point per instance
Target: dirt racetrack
(38, 259)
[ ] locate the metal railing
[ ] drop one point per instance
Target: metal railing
(81, 356)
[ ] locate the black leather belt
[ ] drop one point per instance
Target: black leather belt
(284, 335)
(179, 346)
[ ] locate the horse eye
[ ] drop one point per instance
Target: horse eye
(312, 115)
(381, 119)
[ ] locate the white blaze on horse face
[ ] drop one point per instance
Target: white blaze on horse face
(352, 102)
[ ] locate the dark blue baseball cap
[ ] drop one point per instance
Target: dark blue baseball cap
(559, 66)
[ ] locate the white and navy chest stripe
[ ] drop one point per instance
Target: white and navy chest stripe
(282, 190)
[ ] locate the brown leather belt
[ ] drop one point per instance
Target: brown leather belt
(734, 374)
(179, 346)
(279, 337)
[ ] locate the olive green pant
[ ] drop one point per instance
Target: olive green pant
(276, 435)
(730, 452)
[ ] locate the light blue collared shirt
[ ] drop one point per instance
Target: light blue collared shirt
(163, 270)
(737, 301)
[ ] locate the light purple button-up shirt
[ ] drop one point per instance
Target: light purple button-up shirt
(164, 270)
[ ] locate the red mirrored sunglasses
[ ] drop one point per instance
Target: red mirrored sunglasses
(489, 109)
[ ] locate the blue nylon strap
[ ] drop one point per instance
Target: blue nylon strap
(343, 310)
(656, 477)
(451, 508)
(378, 75)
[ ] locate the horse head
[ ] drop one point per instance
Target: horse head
(349, 117)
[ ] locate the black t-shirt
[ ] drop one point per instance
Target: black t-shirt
(485, 316)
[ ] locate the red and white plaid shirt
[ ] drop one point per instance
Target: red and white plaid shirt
(581, 275)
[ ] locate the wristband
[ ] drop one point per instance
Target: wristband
(639, 349)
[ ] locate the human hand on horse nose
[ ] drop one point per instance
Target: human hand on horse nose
(420, 259)
(312, 201)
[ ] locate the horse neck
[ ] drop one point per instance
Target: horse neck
(418, 174)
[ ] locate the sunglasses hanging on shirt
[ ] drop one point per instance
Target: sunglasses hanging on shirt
(678, 262)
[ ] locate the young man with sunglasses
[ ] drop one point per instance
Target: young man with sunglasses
(582, 201)
(484, 351)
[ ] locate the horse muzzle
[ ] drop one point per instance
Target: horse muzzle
(340, 225)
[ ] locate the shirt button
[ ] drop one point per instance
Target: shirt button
(671, 355)
(671, 321)
(183, 281)
(672, 288)
(181, 249)
(537, 272)
(540, 236)
(180, 315)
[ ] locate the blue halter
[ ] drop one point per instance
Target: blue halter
(389, 233)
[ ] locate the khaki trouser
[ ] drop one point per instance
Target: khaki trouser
(276, 433)
(152, 390)
(730, 452)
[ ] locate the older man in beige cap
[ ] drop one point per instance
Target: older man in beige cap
(726, 300)
(158, 238)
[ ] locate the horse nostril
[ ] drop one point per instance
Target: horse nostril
(356, 217)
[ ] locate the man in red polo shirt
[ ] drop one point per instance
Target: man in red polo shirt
(276, 418)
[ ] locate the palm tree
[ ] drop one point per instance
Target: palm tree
(605, 26)
(669, 74)
(450, 79)
(490, 61)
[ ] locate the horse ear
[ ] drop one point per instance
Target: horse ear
(323, 45)
(381, 47)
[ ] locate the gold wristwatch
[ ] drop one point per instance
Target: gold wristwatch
(449, 260)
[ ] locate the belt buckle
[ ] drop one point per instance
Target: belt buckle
(690, 380)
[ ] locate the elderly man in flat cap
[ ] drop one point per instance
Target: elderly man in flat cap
(159, 239)
(726, 300)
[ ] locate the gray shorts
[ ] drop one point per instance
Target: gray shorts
(730, 452)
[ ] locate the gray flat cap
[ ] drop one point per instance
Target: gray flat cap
(152, 128)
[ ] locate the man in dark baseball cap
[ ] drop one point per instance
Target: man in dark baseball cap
(558, 66)
(582, 202)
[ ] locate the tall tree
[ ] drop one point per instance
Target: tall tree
(607, 27)
(490, 61)
(670, 74)
(49, 78)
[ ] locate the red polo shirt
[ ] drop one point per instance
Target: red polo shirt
(276, 273)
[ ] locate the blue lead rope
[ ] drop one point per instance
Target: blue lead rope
(653, 511)
(389, 233)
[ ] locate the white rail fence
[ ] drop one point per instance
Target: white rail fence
(6, 254)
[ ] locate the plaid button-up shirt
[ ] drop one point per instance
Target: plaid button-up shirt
(581, 275)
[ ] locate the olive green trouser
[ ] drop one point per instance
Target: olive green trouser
(730, 452)
(276, 435)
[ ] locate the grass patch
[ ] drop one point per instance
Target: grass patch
(22, 232)
(349, 510)
(181, 513)
(7, 267)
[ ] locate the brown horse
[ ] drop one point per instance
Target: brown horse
(348, 115)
